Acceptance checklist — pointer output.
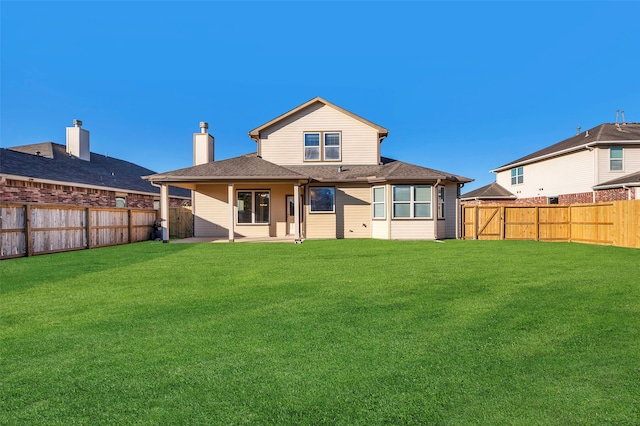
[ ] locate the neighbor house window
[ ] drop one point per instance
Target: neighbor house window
(253, 206)
(312, 146)
(615, 159)
(322, 199)
(121, 200)
(517, 175)
(322, 146)
(378, 204)
(441, 202)
(412, 201)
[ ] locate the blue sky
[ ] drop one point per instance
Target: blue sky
(463, 87)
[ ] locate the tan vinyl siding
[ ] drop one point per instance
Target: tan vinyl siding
(320, 225)
(353, 208)
(210, 211)
(568, 174)
(630, 164)
(283, 143)
(411, 229)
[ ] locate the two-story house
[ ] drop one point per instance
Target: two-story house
(600, 164)
(317, 173)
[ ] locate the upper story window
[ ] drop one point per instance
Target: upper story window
(322, 146)
(615, 159)
(517, 175)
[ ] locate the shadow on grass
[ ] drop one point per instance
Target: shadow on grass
(24, 273)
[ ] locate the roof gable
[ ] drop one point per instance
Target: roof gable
(255, 133)
(602, 134)
(490, 191)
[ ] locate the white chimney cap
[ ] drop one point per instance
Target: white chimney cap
(204, 126)
(77, 123)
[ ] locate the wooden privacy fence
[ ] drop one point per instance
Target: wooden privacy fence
(612, 223)
(29, 229)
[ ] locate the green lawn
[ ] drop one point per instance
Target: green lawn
(349, 332)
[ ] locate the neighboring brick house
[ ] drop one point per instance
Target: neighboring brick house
(52, 173)
(600, 164)
(317, 173)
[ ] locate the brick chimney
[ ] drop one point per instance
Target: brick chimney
(78, 141)
(203, 145)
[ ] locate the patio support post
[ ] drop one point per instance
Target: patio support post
(164, 211)
(231, 211)
(296, 208)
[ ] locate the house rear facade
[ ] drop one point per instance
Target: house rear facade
(317, 173)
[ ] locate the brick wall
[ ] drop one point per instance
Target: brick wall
(17, 191)
(616, 194)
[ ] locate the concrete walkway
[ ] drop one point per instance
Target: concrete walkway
(237, 240)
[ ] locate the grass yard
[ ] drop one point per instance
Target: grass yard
(349, 332)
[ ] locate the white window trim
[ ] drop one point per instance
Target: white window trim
(412, 202)
(621, 160)
(311, 211)
(253, 209)
(383, 202)
(322, 147)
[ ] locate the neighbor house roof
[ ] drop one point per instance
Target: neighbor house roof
(255, 133)
(50, 162)
(488, 192)
(603, 134)
(252, 167)
(632, 179)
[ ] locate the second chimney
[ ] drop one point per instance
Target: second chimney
(203, 145)
(78, 141)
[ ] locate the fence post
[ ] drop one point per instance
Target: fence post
(27, 230)
(569, 220)
(476, 225)
(503, 222)
(537, 223)
(130, 224)
(88, 226)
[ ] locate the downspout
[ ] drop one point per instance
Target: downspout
(437, 203)
(628, 189)
(164, 216)
(596, 169)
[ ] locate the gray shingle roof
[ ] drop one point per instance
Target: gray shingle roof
(490, 191)
(632, 179)
(250, 166)
(604, 133)
(53, 163)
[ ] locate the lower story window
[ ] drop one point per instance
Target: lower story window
(253, 206)
(322, 199)
(412, 201)
(378, 204)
